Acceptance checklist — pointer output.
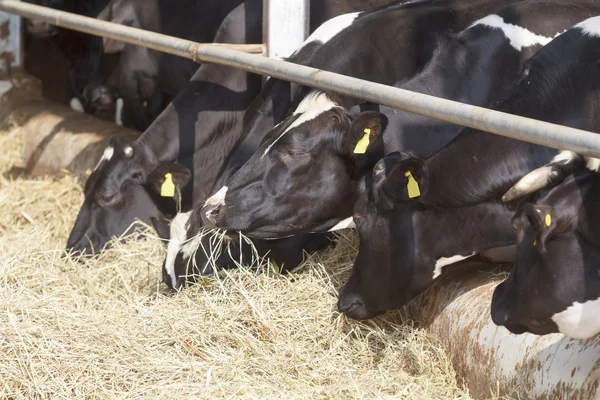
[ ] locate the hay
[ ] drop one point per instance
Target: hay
(108, 328)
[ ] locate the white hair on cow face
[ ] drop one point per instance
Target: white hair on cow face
(314, 104)
(177, 238)
(590, 26)
(217, 198)
(109, 151)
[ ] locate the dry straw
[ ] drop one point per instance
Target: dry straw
(108, 328)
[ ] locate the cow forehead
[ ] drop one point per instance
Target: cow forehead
(313, 105)
(109, 152)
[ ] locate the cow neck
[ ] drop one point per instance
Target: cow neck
(480, 227)
(479, 166)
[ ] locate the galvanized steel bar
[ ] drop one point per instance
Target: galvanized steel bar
(582, 142)
(140, 37)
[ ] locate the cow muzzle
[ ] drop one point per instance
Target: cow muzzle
(211, 213)
(41, 29)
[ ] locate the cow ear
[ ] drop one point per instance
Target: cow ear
(364, 132)
(544, 219)
(112, 46)
(397, 178)
(166, 178)
(122, 17)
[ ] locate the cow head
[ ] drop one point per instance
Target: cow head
(142, 14)
(405, 242)
(302, 178)
(194, 251)
(385, 274)
(125, 187)
(555, 283)
(42, 29)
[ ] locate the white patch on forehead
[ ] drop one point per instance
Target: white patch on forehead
(76, 105)
(580, 320)
(314, 104)
(119, 112)
(590, 26)
(332, 27)
(518, 36)
(445, 261)
(106, 156)
(347, 223)
(176, 240)
(217, 198)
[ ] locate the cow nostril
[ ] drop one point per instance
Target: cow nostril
(352, 305)
(212, 212)
(499, 316)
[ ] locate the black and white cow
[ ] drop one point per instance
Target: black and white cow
(82, 52)
(421, 215)
(555, 283)
(207, 117)
(125, 186)
(145, 79)
(304, 178)
(419, 23)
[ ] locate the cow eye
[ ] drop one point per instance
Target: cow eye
(106, 198)
(291, 152)
(136, 176)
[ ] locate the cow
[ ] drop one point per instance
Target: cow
(304, 178)
(555, 284)
(415, 216)
(419, 23)
(82, 52)
(126, 184)
(208, 115)
(145, 79)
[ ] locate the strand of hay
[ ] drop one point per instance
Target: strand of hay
(107, 327)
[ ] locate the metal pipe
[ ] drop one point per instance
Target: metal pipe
(543, 133)
(140, 37)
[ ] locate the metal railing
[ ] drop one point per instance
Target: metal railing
(526, 129)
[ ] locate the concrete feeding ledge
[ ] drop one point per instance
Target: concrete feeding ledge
(456, 311)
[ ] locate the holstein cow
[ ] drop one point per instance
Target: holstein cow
(401, 49)
(127, 182)
(207, 115)
(82, 52)
(145, 79)
(422, 215)
(555, 283)
(305, 175)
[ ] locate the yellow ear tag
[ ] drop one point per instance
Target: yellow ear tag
(361, 146)
(412, 186)
(168, 188)
(548, 220)
(535, 242)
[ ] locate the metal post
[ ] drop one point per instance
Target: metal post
(526, 129)
(285, 26)
(11, 43)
